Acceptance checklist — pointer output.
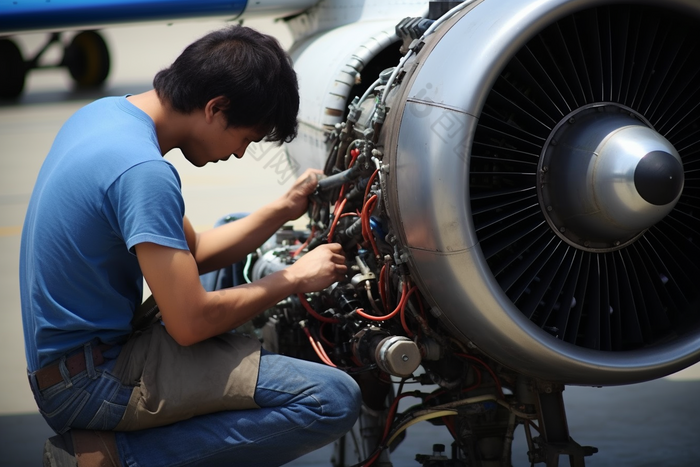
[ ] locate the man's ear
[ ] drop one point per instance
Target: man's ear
(214, 106)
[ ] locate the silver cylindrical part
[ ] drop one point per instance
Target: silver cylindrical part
(398, 356)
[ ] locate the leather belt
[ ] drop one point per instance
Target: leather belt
(51, 374)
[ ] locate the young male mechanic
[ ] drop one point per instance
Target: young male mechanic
(106, 212)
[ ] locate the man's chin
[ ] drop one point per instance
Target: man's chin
(196, 163)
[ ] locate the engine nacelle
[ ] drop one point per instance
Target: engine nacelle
(538, 173)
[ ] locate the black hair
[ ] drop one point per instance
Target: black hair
(248, 68)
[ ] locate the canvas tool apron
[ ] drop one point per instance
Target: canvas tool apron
(174, 383)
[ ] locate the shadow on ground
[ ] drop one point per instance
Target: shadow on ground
(644, 425)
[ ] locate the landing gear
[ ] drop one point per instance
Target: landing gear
(13, 70)
(86, 57)
(554, 440)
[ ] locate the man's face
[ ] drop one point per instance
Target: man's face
(234, 141)
(215, 141)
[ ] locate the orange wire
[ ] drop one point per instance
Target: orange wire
(361, 312)
(353, 153)
(369, 183)
(319, 349)
(366, 229)
(392, 412)
(493, 375)
(323, 338)
(372, 459)
(341, 197)
(306, 243)
(387, 427)
(312, 312)
(336, 218)
(403, 312)
(363, 218)
(420, 304)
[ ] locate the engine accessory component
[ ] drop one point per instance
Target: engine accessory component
(398, 356)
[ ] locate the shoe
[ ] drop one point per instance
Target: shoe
(58, 451)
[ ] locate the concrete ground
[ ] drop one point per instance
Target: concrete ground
(651, 424)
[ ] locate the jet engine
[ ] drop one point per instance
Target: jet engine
(537, 165)
(515, 186)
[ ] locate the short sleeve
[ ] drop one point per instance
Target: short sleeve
(145, 205)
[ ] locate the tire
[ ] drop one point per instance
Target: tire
(12, 70)
(87, 59)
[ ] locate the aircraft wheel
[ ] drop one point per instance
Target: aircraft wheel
(87, 59)
(12, 70)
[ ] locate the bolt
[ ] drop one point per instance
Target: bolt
(545, 169)
(586, 243)
(562, 229)
(549, 208)
(554, 142)
(404, 357)
(572, 120)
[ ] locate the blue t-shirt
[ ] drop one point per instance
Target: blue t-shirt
(103, 188)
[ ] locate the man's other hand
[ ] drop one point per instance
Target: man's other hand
(297, 198)
(319, 268)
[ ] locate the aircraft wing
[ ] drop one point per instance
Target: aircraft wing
(52, 15)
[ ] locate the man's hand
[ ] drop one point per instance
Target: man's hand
(297, 198)
(191, 314)
(319, 268)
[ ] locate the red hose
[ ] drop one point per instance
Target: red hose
(493, 375)
(361, 312)
(403, 312)
(312, 312)
(319, 349)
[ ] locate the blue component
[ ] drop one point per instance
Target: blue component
(490, 405)
(21, 15)
(376, 225)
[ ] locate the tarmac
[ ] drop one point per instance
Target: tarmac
(649, 424)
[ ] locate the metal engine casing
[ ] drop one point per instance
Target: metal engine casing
(428, 140)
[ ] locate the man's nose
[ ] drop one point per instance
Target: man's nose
(238, 154)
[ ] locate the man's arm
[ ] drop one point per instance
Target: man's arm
(192, 314)
(230, 243)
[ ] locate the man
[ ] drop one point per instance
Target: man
(105, 213)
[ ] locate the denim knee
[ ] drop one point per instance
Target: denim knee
(345, 400)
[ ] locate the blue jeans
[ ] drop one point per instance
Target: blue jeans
(304, 406)
(94, 399)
